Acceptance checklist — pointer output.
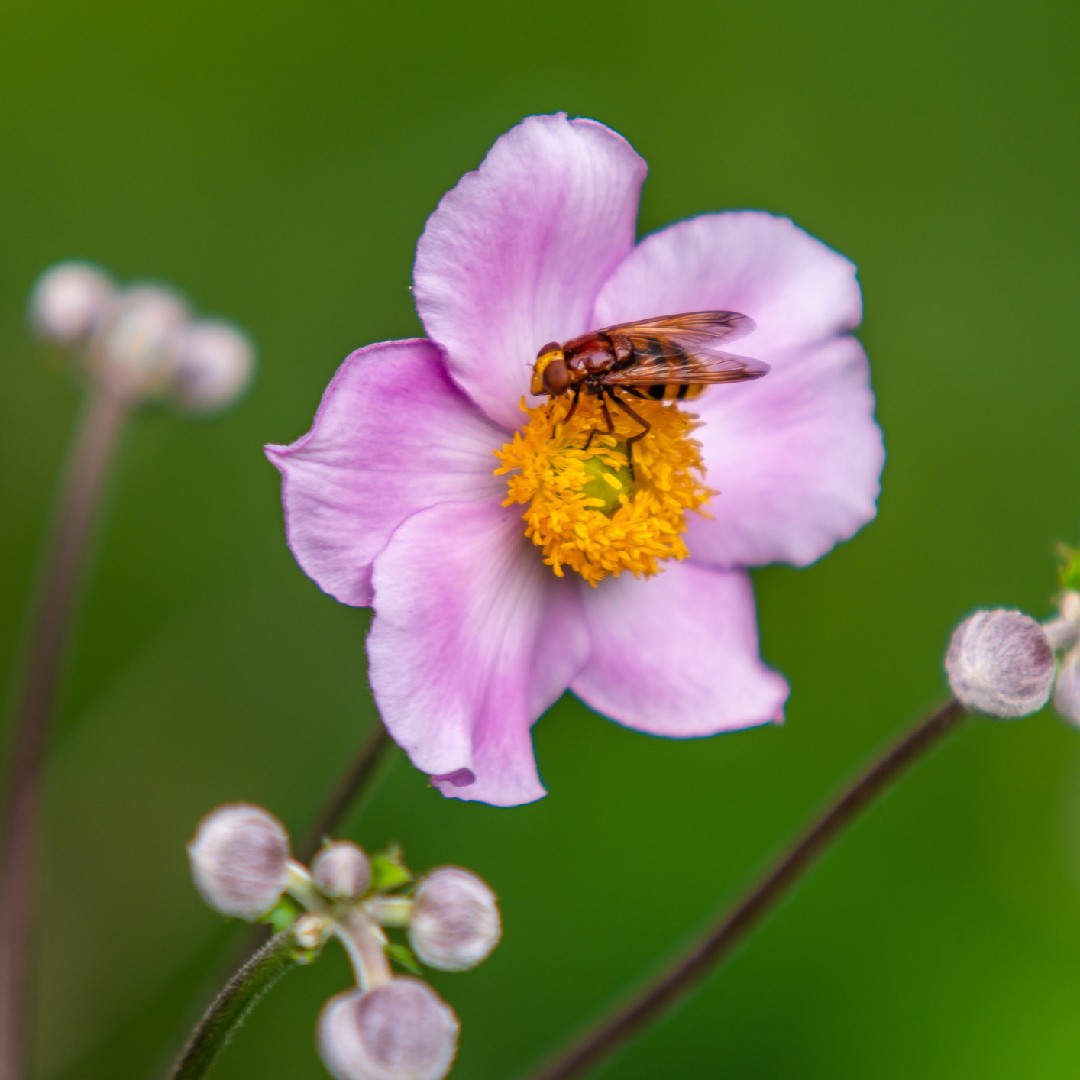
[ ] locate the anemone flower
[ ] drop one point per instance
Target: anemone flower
(512, 546)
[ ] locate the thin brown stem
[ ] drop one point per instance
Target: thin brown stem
(62, 569)
(719, 942)
(347, 792)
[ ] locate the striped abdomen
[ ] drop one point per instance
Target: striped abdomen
(669, 364)
(669, 391)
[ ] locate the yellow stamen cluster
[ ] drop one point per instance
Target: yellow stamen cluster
(583, 507)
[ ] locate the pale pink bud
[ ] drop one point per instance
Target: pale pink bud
(240, 860)
(341, 871)
(400, 1030)
(1067, 689)
(455, 921)
(1000, 663)
(214, 364)
(69, 301)
(135, 351)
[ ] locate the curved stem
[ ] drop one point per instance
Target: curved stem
(736, 924)
(231, 1007)
(366, 948)
(349, 788)
(87, 468)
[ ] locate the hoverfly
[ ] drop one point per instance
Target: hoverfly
(668, 358)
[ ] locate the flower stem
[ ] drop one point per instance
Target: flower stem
(719, 942)
(349, 788)
(366, 947)
(87, 469)
(231, 1007)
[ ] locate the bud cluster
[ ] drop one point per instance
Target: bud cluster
(141, 341)
(1005, 664)
(389, 1027)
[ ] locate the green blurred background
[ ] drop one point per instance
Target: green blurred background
(277, 162)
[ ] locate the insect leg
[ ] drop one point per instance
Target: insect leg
(610, 430)
(573, 406)
(646, 427)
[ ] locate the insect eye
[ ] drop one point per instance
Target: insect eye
(556, 377)
(551, 346)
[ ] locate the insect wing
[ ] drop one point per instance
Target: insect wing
(683, 349)
(686, 368)
(692, 331)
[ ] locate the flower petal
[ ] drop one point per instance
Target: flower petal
(677, 654)
(473, 638)
(796, 458)
(796, 289)
(516, 253)
(393, 434)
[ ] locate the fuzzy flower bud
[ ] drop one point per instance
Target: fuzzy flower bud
(214, 364)
(341, 871)
(1067, 690)
(455, 922)
(69, 301)
(240, 860)
(400, 1030)
(135, 349)
(1000, 663)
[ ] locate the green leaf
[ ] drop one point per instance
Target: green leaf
(388, 870)
(403, 956)
(283, 914)
(1069, 571)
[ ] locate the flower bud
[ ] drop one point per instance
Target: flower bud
(1067, 690)
(214, 364)
(240, 860)
(69, 301)
(341, 871)
(455, 921)
(135, 350)
(1000, 663)
(400, 1030)
(311, 929)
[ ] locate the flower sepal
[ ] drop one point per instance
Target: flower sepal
(1069, 570)
(402, 956)
(282, 915)
(388, 870)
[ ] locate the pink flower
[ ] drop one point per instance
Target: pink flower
(392, 499)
